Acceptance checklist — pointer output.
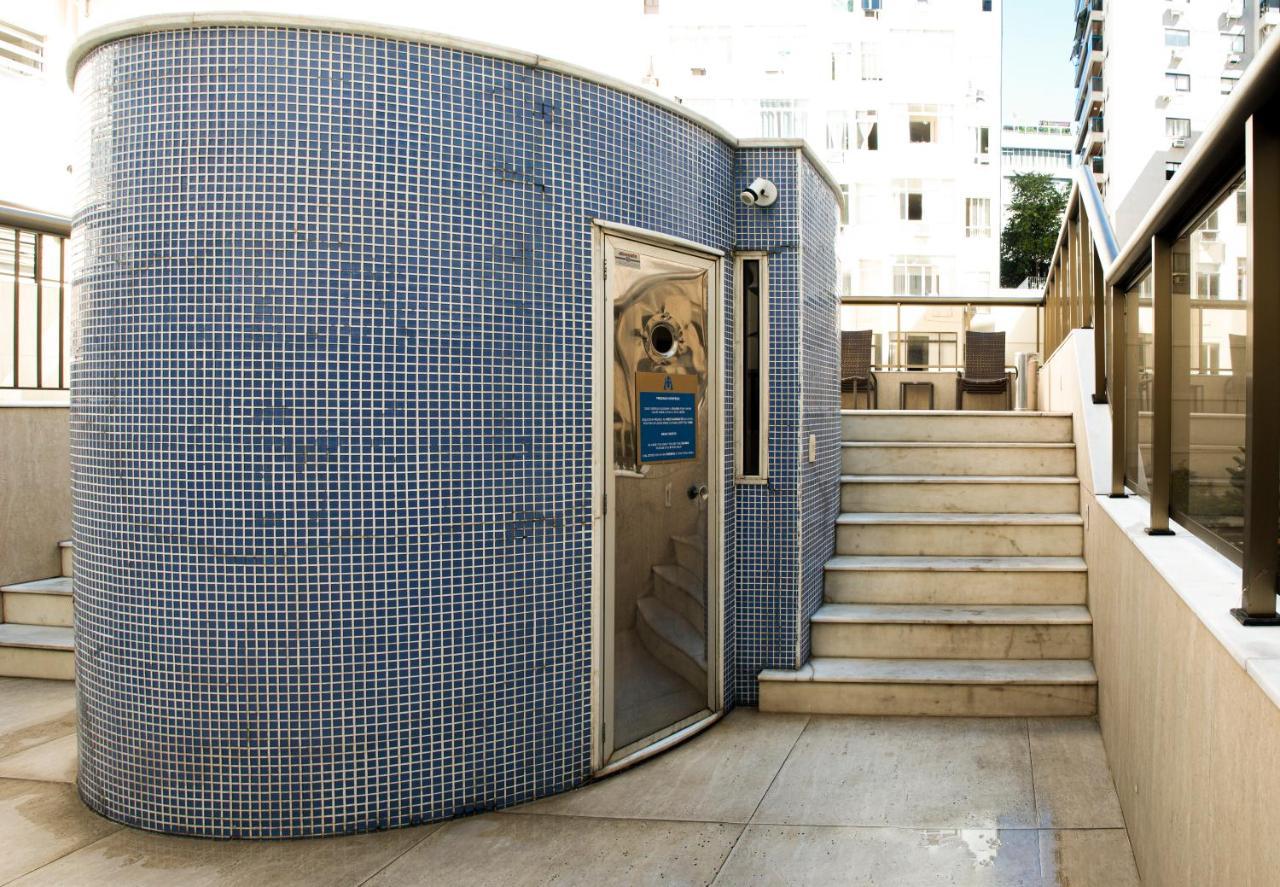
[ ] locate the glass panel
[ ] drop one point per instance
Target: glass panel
(1140, 356)
(1206, 489)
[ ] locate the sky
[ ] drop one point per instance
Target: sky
(1037, 60)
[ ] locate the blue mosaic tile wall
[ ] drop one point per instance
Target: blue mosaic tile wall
(820, 362)
(331, 423)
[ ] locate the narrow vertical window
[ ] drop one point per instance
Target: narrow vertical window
(753, 366)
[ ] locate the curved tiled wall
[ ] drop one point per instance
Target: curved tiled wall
(331, 420)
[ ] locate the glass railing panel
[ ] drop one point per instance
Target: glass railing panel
(1206, 488)
(1139, 385)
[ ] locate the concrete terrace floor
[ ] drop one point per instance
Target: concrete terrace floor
(757, 799)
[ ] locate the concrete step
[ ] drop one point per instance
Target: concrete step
(43, 602)
(958, 458)
(691, 553)
(959, 493)
(672, 641)
(945, 687)
(958, 581)
(68, 551)
(37, 651)
(682, 591)
(955, 425)
(990, 631)
(960, 535)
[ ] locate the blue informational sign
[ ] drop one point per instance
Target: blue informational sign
(668, 418)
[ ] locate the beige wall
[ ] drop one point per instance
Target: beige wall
(1192, 739)
(35, 491)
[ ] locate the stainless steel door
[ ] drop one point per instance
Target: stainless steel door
(659, 614)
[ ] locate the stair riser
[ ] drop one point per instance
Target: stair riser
(982, 461)
(692, 557)
(25, 662)
(670, 655)
(961, 498)
(963, 589)
(1013, 428)
(682, 602)
(38, 609)
(939, 700)
(930, 641)
(68, 561)
(940, 540)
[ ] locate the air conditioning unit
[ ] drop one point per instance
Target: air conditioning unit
(1177, 143)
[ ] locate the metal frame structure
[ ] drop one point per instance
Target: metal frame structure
(1244, 140)
(26, 223)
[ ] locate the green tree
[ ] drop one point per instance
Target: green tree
(1029, 235)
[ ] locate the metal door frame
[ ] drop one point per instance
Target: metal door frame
(602, 486)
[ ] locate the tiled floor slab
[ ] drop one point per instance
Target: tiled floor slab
(41, 822)
(719, 776)
(925, 773)
(1072, 780)
(33, 711)
(146, 859)
(52, 761)
(1087, 858)
(568, 851)
(882, 857)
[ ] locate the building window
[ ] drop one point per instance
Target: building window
(982, 140)
(781, 118)
(1181, 274)
(1208, 229)
(1207, 284)
(752, 383)
(1170, 168)
(986, 5)
(1227, 85)
(871, 8)
(841, 60)
(871, 61)
(923, 125)
(21, 51)
(1242, 207)
(1235, 42)
(1209, 355)
(844, 210)
(650, 7)
(837, 131)
(1242, 277)
(868, 134)
(1176, 37)
(977, 217)
(915, 277)
(910, 201)
(1177, 127)
(1178, 82)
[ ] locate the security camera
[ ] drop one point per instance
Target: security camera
(761, 192)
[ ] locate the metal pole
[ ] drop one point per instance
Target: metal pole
(39, 268)
(1262, 371)
(1119, 400)
(17, 301)
(1099, 332)
(1162, 394)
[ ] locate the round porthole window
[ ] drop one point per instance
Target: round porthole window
(662, 339)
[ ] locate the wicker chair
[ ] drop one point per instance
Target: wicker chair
(855, 366)
(984, 371)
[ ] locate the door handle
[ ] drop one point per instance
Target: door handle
(697, 490)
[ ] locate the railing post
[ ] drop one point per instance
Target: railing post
(1119, 401)
(1262, 371)
(1162, 384)
(1099, 329)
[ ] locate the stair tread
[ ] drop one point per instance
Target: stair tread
(956, 479)
(939, 671)
(45, 637)
(684, 579)
(957, 444)
(969, 414)
(66, 543)
(854, 562)
(944, 614)
(696, 541)
(53, 585)
(876, 518)
(673, 628)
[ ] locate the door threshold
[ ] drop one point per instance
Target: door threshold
(643, 749)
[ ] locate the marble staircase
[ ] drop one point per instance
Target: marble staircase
(36, 635)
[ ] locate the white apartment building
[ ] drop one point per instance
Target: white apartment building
(902, 99)
(1044, 147)
(1150, 76)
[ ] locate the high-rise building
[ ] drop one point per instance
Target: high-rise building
(1150, 76)
(1041, 147)
(900, 97)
